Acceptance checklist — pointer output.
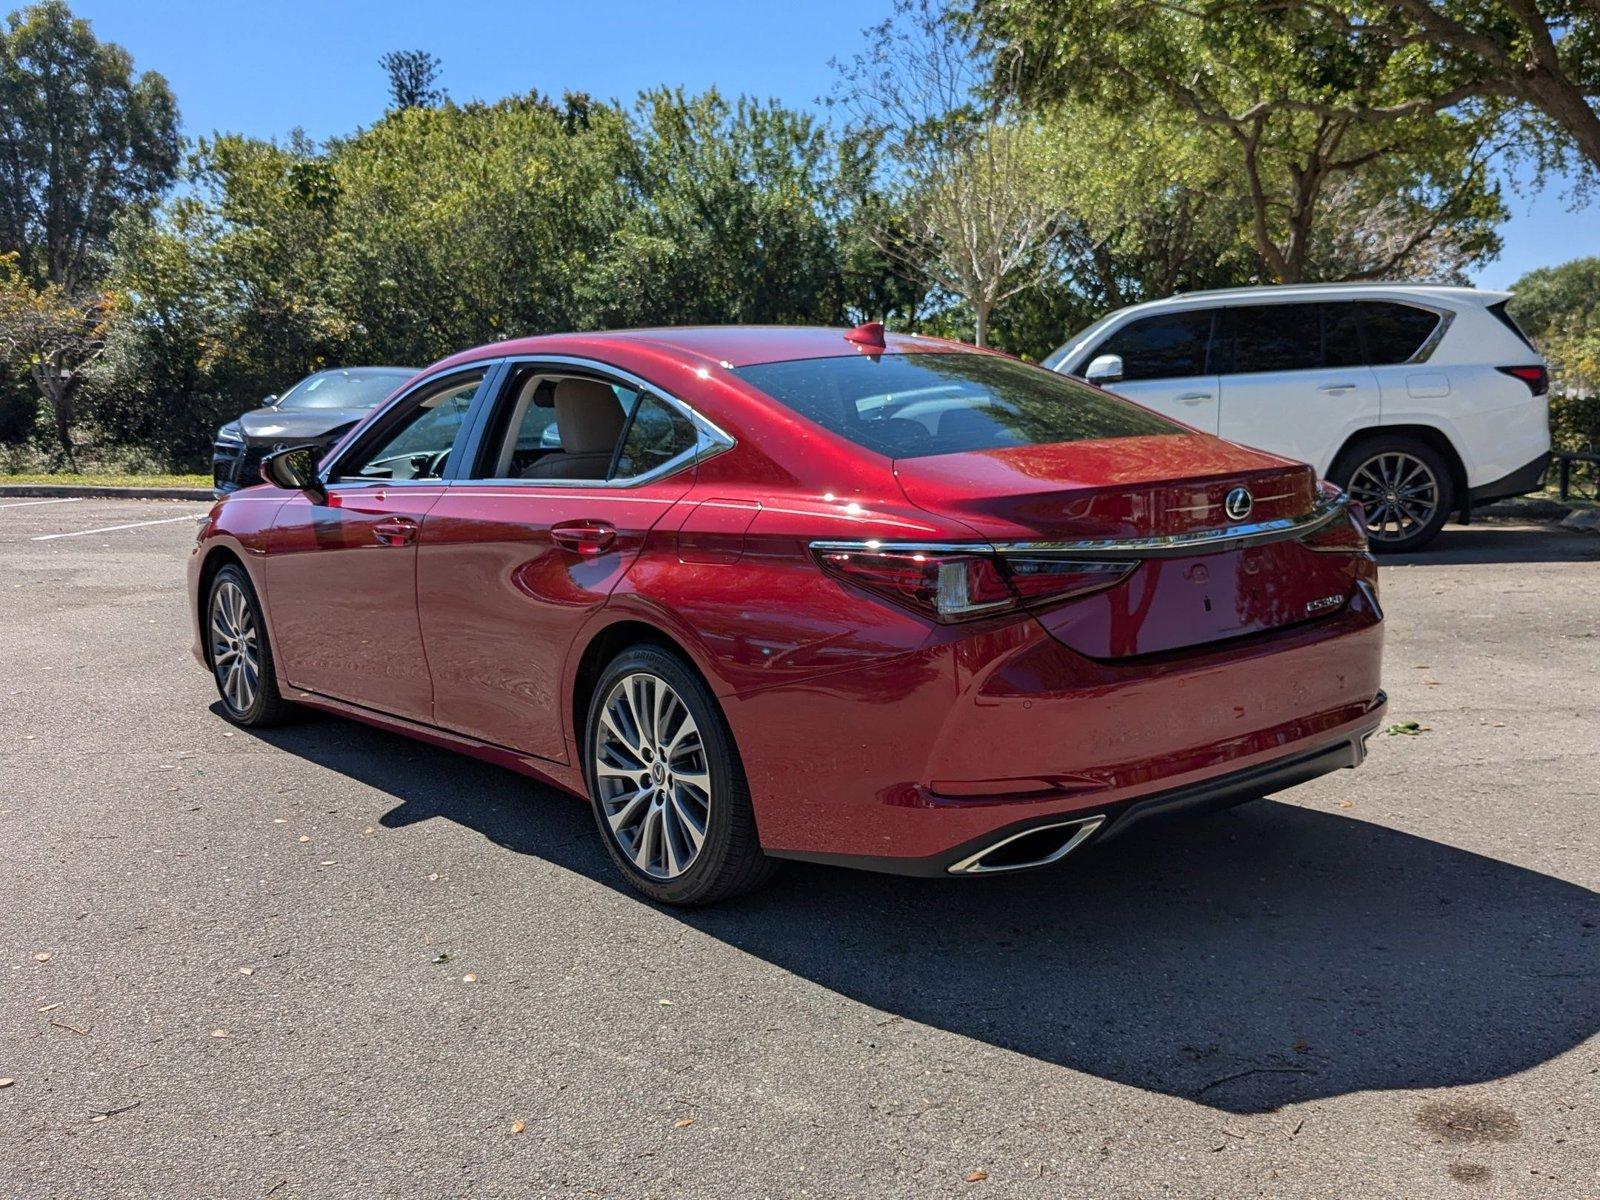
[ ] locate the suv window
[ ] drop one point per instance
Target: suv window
(1168, 346)
(1395, 332)
(1291, 337)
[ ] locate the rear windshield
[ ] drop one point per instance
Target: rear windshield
(915, 405)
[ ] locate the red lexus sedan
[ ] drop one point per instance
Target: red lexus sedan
(763, 593)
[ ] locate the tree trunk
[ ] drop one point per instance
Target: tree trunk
(980, 312)
(59, 389)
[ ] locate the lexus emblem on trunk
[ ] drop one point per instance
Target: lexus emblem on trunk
(1237, 504)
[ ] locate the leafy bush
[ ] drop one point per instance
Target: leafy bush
(1575, 423)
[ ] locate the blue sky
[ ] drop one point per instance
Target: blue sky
(266, 67)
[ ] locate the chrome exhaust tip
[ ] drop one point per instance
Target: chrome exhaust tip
(1036, 847)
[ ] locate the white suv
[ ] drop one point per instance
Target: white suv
(1421, 400)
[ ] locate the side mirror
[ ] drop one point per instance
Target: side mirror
(295, 469)
(269, 402)
(1106, 368)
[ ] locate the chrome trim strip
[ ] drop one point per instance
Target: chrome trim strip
(973, 863)
(710, 441)
(1173, 545)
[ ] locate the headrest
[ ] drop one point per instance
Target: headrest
(588, 416)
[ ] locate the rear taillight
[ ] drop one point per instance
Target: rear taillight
(1345, 534)
(1537, 378)
(952, 583)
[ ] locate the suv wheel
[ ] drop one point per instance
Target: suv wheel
(668, 792)
(1405, 487)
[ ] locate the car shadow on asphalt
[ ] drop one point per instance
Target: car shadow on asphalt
(1499, 542)
(1263, 956)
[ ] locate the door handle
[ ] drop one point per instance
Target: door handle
(1334, 388)
(1193, 397)
(395, 531)
(584, 537)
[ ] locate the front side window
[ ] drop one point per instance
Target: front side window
(914, 405)
(1169, 346)
(418, 445)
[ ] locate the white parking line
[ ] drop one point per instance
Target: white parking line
(58, 500)
(50, 537)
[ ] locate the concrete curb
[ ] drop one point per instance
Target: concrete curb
(52, 490)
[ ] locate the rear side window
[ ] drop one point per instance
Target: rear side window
(916, 405)
(1498, 311)
(657, 434)
(1394, 332)
(1169, 346)
(1291, 337)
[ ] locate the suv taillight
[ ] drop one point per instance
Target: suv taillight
(1537, 378)
(952, 583)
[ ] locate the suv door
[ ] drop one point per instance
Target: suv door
(342, 576)
(1293, 379)
(1165, 365)
(518, 556)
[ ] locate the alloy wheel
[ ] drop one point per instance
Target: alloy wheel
(235, 648)
(652, 774)
(1398, 492)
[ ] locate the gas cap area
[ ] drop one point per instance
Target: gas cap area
(714, 530)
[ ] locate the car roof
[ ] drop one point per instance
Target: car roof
(733, 345)
(1324, 291)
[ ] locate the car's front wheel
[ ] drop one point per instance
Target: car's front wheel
(1405, 488)
(241, 658)
(664, 777)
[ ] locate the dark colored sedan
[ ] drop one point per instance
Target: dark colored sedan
(876, 600)
(316, 411)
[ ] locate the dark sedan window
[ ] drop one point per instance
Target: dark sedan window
(914, 405)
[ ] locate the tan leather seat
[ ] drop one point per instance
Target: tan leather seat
(589, 418)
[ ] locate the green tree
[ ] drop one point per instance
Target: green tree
(413, 79)
(83, 141)
(1543, 55)
(82, 138)
(973, 180)
(1559, 308)
(1304, 111)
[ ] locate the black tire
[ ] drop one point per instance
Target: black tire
(728, 860)
(263, 705)
(1394, 526)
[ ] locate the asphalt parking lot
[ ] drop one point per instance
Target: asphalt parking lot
(329, 962)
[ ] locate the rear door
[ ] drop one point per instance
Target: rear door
(511, 565)
(1293, 378)
(1165, 365)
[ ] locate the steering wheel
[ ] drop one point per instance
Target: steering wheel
(433, 467)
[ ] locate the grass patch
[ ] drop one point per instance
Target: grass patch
(65, 479)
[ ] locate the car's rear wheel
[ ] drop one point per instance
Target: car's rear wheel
(666, 785)
(241, 658)
(1405, 488)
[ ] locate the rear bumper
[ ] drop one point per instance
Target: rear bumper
(907, 764)
(1210, 795)
(1520, 482)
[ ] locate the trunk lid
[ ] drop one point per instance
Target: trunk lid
(1141, 488)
